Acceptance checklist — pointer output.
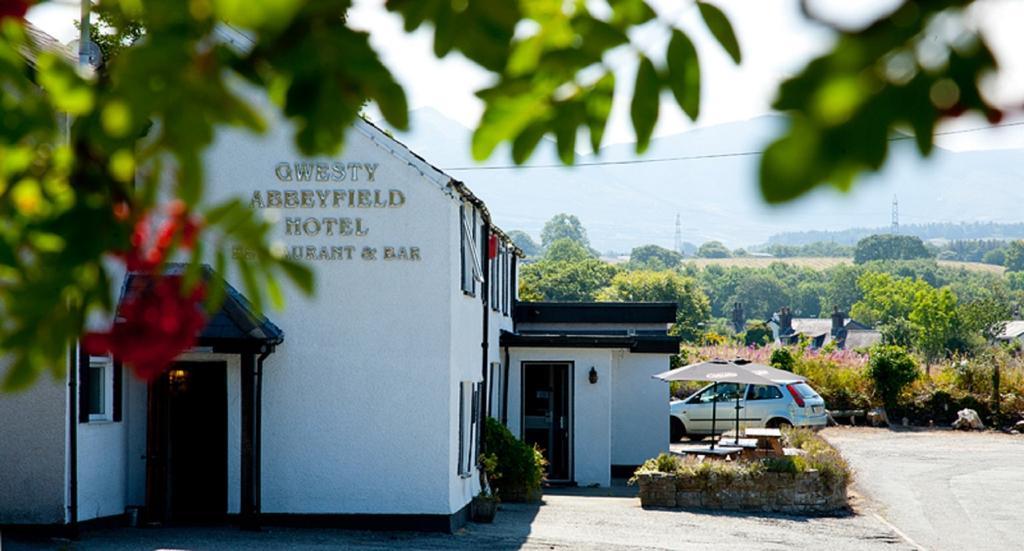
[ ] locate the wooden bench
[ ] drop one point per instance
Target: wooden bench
(769, 441)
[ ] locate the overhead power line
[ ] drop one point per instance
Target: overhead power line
(704, 156)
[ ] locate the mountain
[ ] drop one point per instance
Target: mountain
(712, 184)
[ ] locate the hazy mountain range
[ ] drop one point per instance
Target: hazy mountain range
(624, 205)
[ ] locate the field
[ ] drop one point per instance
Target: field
(822, 263)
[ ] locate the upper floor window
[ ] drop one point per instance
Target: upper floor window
(472, 273)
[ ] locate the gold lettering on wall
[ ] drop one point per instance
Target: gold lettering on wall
(298, 191)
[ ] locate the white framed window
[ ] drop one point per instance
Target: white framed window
(496, 394)
(99, 394)
(472, 271)
(469, 405)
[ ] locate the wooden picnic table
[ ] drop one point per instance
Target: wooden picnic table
(706, 450)
(769, 441)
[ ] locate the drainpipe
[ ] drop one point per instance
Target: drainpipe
(484, 344)
(73, 441)
(258, 436)
(504, 391)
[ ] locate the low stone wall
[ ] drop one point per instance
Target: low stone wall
(806, 492)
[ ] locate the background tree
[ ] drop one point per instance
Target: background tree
(934, 319)
(526, 243)
(564, 226)
(664, 286)
(761, 295)
(713, 249)
(1014, 256)
(653, 257)
(890, 247)
(567, 250)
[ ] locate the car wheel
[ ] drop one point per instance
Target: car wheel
(779, 424)
(676, 429)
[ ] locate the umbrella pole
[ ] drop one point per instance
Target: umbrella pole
(714, 404)
(737, 418)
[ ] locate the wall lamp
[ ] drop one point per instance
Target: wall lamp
(592, 377)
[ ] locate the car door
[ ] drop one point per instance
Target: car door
(697, 409)
(763, 402)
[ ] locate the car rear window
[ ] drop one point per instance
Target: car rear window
(805, 390)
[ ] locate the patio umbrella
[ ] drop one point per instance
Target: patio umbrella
(716, 371)
(768, 372)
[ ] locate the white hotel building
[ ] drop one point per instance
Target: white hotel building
(359, 406)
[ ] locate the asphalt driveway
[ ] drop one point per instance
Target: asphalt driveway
(941, 489)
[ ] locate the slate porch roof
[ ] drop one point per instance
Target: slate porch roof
(235, 324)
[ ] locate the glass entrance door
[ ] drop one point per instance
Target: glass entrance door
(547, 413)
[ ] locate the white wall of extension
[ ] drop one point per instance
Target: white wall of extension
(640, 408)
(620, 420)
(591, 413)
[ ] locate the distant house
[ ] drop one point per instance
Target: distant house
(847, 333)
(1013, 331)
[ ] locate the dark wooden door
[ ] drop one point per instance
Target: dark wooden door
(187, 443)
(547, 415)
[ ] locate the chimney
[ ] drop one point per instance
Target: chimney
(739, 321)
(785, 321)
(838, 320)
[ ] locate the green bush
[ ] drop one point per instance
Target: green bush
(783, 359)
(518, 469)
(891, 369)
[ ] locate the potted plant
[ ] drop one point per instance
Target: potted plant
(485, 505)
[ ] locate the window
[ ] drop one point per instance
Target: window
(506, 279)
(469, 405)
(496, 396)
(97, 384)
(763, 392)
(725, 392)
(495, 278)
(471, 267)
(99, 388)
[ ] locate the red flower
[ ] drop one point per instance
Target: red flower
(14, 8)
(157, 322)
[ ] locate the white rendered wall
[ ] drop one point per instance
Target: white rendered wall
(33, 458)
(357, 402)
(640, 408)
(102, 467)
(591, 414)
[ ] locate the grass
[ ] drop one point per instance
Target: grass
(822, 263)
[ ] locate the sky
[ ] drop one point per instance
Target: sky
(775, 38)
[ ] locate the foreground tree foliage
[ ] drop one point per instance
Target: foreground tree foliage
(138, 127)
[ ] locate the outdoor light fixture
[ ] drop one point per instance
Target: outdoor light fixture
(593, 376)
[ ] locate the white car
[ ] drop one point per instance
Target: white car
(790, 403)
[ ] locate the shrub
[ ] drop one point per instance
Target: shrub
(519, 468)
(783, 359)
(891, 369)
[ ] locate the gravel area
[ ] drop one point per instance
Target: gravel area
(942, 489)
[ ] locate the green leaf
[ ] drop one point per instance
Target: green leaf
(644, 108)
(527, 140)
(631, 12)
(252, 289)
(598, 107)
(299, 274)
(720, 27)
(684, 73)
(787, 165)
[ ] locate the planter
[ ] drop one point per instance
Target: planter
(802, 493)
(483, 509)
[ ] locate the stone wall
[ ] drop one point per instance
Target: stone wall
(806, 492)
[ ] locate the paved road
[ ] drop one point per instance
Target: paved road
(581, 519)
(942, 489)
